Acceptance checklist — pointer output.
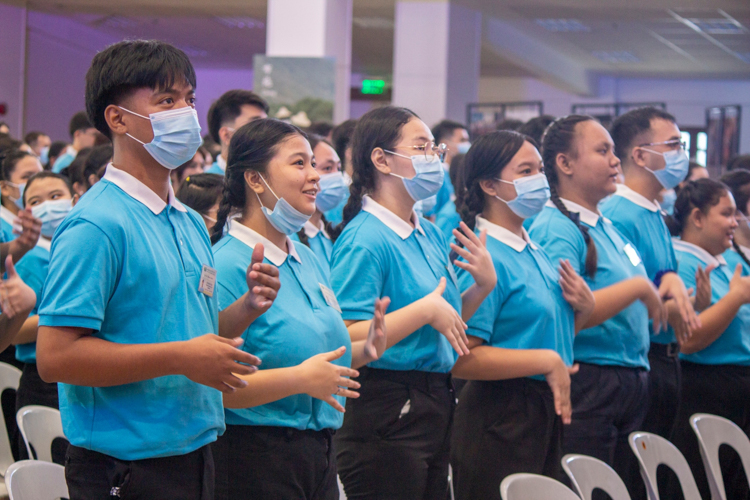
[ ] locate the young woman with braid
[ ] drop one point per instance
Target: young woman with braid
(738, 182)
(278, 442)
(716, 359)
(609, 393)
(395, 439)
(511, 413)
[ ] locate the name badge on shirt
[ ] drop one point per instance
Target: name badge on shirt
(208, 281)
(330, 297)
(452, 274)
(635, 259)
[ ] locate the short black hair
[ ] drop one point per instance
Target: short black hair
(229, 106)
(535, 127)
(98, 157)
(126, 66)
(56, 148)
(77, 163)
(46, 175)
(80, 121)
(627, 127)
(446, 128)
(32, 137)
(201, 191)
(739, 162)
(7, 144)
(320, 128)
(342, 135)
(10, 160)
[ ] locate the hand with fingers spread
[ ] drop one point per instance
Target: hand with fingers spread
(377, 338)
(16, 297)
(262, 283)
(446, 320)
(575, 289)
(703, 288)
(213, 361)
(477, 259)
(672, 288)
(323, 380)
(558, 379)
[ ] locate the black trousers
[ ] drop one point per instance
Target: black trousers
(722, 390)
(95, 476)
(609, 402)
(502, 428)
(395, 441)
(8, 401)
(32, 390)
(275, 463)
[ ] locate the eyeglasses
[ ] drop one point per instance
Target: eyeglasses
(673, 144)
(429, 148)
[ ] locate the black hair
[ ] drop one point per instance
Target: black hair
(46, 175)
(320, 128)
(535, 127)
(97, 158)
(560, 138)
(738, 182)
(181, 169)
(509, 124)
(32, 137)
(8, 144)
(126, 66)
(229, 106)
(445, 129)
(486, 159)
(79, 121)
(57, 147)
(701, 194)
(456, 176)
(314, 140)
(201, 191)
(626, 128)
(378, 128)
(252, 147)
(741, 161)
(10, 160)
(342, 136)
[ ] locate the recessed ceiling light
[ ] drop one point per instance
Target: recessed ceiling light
(563, 25)
(240, 22)
(615, 56)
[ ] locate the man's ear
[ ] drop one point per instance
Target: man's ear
(113, 116)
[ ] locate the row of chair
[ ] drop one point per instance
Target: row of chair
(588, 473)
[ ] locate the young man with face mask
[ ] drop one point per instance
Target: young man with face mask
(647, 141)
(232, 110)
(84, 136)
(127, 323)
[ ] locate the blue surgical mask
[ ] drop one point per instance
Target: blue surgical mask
(532, 193)
(668, 199)
(177, 136)
(51, 213)
(21, 188)
(333, 190)
(463, 147)
(284, 217)
(428, 205)
(675, 170)
(428, 176)
(44, 155)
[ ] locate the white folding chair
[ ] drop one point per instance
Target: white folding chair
(39, 426)
(10, 376)
(342, 495)
(712, 432)
(36, 480)
(588, 473)
(652, 451)
(534, 487)
(450, 482)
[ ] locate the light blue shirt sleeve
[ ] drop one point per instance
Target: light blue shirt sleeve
(357, 280)
(482, 323)
(564, 242)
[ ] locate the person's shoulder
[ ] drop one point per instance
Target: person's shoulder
(104, 205)
(362, 231)
(552, 222)
(621, 210)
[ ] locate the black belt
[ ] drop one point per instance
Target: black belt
(669, 350)
(415, 378)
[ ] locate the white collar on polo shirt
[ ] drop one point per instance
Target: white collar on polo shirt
(311, 231)
(140, 192)
(276, 255)
(222, 163)
(587, 216)
(44, 243)
(637, 198)
(697, 251)
(393, 221)
(505, 236)
(7, 215)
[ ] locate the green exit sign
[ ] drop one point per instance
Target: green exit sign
(373, 86)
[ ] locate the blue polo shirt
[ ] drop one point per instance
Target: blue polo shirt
(6, 224)
(336, 214)
(320, 243)
(622, 340)
(64, 160)
(526, 309)
(300, 324)
(380, 255)
(218, 167)
(733, 258)
(733, 346)
(448, 219)
(32, 269)
(642, 223)
(127, 265)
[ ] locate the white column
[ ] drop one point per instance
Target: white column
(315, 28)
(13, 62)
(436, 58)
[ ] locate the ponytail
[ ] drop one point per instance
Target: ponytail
(701, 194)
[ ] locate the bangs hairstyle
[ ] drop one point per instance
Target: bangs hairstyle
(46, 175)
(126, 66)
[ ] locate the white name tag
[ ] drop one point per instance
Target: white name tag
(208, 281)
(330, 297)
(635, 259)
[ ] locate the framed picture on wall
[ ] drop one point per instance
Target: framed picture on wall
(484, 118)
(730, 133)
(714, 124)
(606, 113)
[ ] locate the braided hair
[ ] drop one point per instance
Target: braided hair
(560, 138)
(486, 160)
(378, 128)
(738, 182)
(314, 140)
(252, 147)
